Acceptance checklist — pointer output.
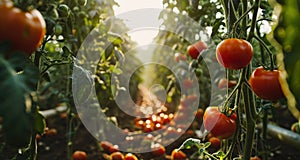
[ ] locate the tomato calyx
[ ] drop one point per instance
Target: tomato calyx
(228, 112)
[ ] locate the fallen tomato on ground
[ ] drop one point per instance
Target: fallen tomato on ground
(117, 156)
(178, 155)
(130, 156)
(158, 150)
(79, 155)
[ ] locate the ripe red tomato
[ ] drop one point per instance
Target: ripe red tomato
(130, 156)
(188, 84)
(105, 145)
(195, 49)
(218, 123)
(178, 155)
(158, 126)
(223, 83)
(117, 156)
(255, 158)
(109, 147)
(158, 150)
(24, 30)
(50, 132)
(149, 128)
(79, 155)
(114, 148)
(234, 53)
(190, 132)
(199, 114)
(265, 84)
(179, 57)
(215, 142)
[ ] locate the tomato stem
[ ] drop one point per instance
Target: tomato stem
(261, 47)
(224, 109)
(254, 18)
(235, 137)
(268, 50)
(241, 18)
(244, 22)
(264, 133)
(250, 124)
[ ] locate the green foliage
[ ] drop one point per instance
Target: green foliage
(44, 80)
(18, 83)
(288, 35)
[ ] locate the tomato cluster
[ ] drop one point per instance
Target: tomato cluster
(114, 152)
(120, 156)
(24, 30)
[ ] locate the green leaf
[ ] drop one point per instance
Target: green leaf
(15, 105)
(220, 154)
(207, 144)
(39, 123)
(189, 143)
(115, 38)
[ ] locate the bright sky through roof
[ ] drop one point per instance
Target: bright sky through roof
(142, 37)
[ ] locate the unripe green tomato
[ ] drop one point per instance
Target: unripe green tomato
(58, 29)
(76, 9)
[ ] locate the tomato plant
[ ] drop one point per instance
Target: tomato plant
(45, 79)
(218, 123)
(265, 84)
(234, 53)
(25, 30)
